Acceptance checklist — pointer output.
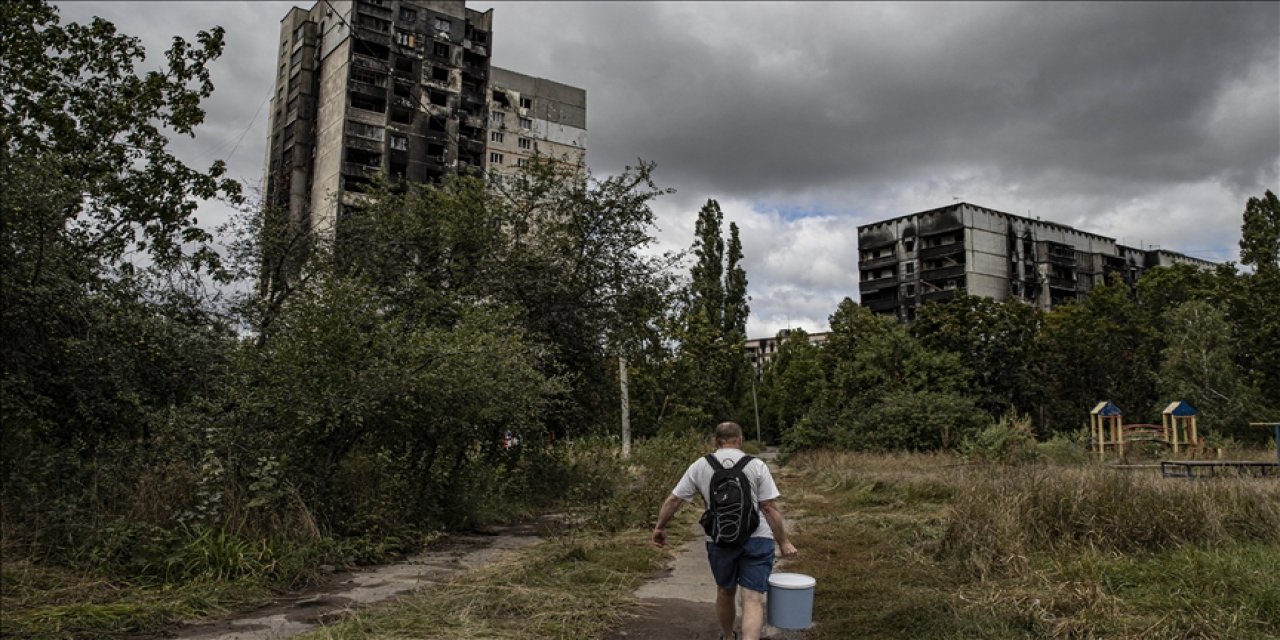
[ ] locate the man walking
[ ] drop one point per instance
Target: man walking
(747, 564)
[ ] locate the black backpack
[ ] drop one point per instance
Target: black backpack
(731, 515)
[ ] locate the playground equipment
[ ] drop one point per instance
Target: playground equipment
(1104, 420)
(1176, 431)
(1212, 468)
(1179, 419)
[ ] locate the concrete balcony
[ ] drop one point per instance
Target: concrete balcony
(940, 296)
(953, 249)
(876, 263)
(955, 271)
(880, 306)
(878, 284)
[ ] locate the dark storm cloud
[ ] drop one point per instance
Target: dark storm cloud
(761, 99)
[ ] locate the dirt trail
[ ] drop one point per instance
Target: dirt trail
(680, 605)
(296, 614)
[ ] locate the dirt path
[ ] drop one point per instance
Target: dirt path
(296, 614)
(680, 605)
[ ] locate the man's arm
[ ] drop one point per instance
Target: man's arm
(665, 513)
(773, 515)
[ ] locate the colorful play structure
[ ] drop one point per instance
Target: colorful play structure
(1178, 432)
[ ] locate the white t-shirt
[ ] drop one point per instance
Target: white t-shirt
(697, 481)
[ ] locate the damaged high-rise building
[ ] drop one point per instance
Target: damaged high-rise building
(402, 89)
(963, 248)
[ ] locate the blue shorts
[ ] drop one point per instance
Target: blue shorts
(748, 565)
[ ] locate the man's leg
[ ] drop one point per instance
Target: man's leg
(754, 568)
(752, 614)
(726, 610)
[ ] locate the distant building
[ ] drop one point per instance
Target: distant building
(963, 248)
(761, 350)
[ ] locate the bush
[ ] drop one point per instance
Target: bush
(1008, 441)
(1063, 449)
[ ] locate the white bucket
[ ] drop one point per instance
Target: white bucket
(791, 600)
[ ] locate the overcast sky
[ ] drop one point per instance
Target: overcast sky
(1149, 122)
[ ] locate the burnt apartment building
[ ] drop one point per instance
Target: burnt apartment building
(396, 88)
(963, 248)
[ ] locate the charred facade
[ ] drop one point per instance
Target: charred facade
(963, 248)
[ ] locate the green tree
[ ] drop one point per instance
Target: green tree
(1103, 348)
(97, 224)
(885, 390)
(995, 340)
(710, 370)
(1199, 366)
(792, 381)
(1260, 235)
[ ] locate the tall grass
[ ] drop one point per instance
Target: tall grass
(1001, 515)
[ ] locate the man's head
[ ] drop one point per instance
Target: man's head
(728, 435)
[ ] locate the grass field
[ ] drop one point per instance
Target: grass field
(924, 546)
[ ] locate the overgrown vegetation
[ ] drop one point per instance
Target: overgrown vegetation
(924, 546)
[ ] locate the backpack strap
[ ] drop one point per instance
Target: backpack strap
(743, 462)
(714, 462)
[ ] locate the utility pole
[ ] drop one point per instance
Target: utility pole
(626, 407)
(755, 405)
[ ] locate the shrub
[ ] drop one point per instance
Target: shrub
(1009, 440)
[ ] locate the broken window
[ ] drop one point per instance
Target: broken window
(370, 159)
(435, 150)
(397, 170)
(439, 98)
(495, 158)
(370, 22)
(377, 105)
(526, 103)
(402, 116)
(439, 74)
(436, 123)
(526, 143)
(443, 25)
(496, 118)
(371, 49)
(367, 131)
(408, 16)
(909, 245)
(368, 76)
(495, 136)
(441, 50)
(404, 90)
(911, 267)
(399, 143)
